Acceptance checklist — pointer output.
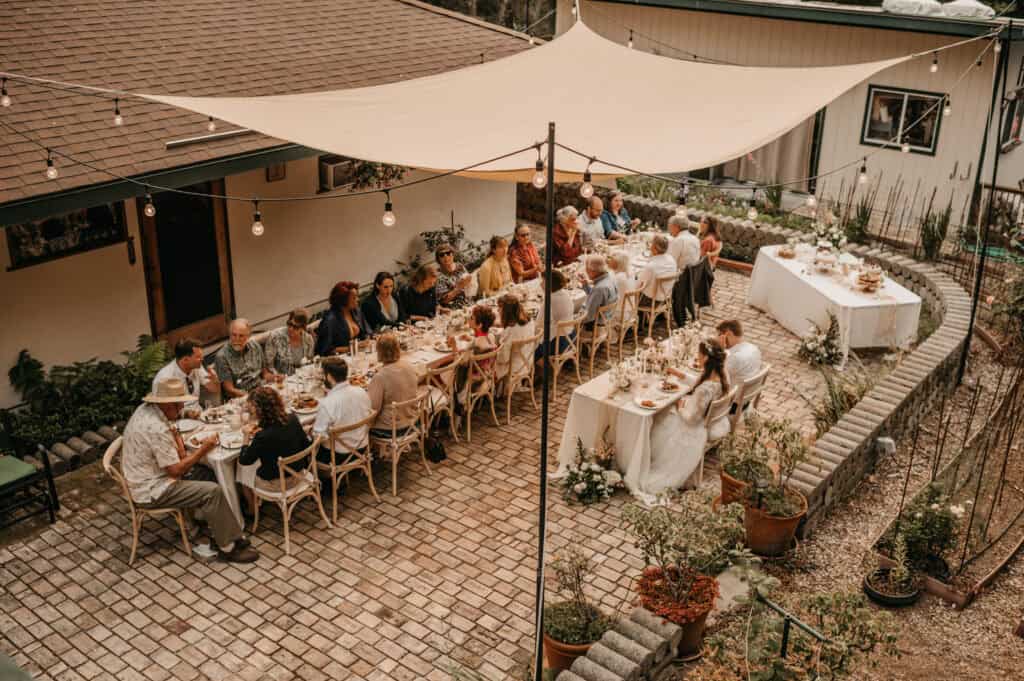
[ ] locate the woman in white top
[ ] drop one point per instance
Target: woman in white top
(678, 435)
(561, 311)
(515, 326)
(622, 275)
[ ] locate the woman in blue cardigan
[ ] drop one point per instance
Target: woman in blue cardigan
(615, 218)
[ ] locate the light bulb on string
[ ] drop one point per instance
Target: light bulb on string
(540, 178)
(812, 201)
(630, 43)
(948, 108)
(532, 41)
(388, 218)
(681, 196)
(998, 47)
(51, 169)
(149, 209)
(211, 125)
(905, 148)
(257, 219)
(587, 188)
(752, 211)
(5, 99)
(118, 118)
(934, 68)
(862, 176)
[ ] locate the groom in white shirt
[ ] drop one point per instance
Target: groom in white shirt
(744, 359)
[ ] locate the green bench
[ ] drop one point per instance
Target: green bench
(26, 491)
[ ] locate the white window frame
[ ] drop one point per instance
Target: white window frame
(906, 94)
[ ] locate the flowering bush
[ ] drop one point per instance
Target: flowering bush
(930, 526)
(821, 346)
(590, 478)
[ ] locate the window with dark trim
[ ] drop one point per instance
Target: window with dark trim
(894, 116)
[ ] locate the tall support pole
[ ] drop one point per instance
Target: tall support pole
(549, 207)
(998, 95)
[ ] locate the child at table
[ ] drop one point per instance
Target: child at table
(481, 320)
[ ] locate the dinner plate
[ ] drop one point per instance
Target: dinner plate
(661, 389)
(305, 411)
(442, 347)
(230, 440)
(638, 401)
(188, 425)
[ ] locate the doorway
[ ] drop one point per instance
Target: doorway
(187, 264)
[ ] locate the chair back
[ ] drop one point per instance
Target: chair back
(483, 364)
(606, 314)
(520, 354)
(720, 408)
(752, 387)
(285, 470)
(664, 284)
(335, 432)
(112, 467)
(570, 331)
(629, 306)
(417, 406)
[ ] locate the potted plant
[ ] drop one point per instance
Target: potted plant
(744, 460)
(929, 527)
(685, 547)
(896, 585)
(773, 508)
(571, 626)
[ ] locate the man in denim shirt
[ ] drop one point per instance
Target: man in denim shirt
(601, 291)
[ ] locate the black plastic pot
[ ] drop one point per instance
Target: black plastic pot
(887, 599)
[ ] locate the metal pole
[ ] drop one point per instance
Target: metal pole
(1000, 83)
(538, 657)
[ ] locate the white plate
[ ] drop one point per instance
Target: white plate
(230, 440)
(637, 401)
(188, 425)
(306, 411)
(670, 392)
(442, 347)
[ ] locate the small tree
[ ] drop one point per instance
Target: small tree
(789, 449)
(575, 620)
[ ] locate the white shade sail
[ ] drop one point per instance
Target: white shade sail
(638, 110)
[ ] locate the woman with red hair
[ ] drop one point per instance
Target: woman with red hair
(344, 321)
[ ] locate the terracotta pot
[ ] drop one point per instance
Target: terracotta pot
(692, 639)
(884, 598)
(560, 655)
(769, 535)
(733, 489)
(693, 636)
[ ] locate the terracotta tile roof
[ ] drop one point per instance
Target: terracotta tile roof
(201, 47)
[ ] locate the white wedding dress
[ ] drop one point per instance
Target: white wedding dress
(678, 437)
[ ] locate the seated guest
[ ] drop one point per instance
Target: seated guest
(622, 273)
(591, 227)
(710, 242)
(274, 435)
(601, 291)
(188, 367)
(481, 320)
(395, 381)
(684, 246)
(523, 257)
(344, 321)
(495, 273)
(287, 347)
(240, 362)
(515, 326)
(452, 278)
(154, 462)
(343, 405)
(660, 264)
(615, 218)
(381, 309)
(566, 235)
(419, 298)
(743, 360)
(561, 311)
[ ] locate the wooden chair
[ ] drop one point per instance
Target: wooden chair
(749, 394)
(306, 484)
(627, 317)
(716, 410)
(521, 350)
(663, 285)
(344, 460)
(392, 447)
(441, 386)
(600, 334)
(481, 382)
(138, 513)
(570, 331)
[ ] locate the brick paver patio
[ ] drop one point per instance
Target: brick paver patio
(401, 589)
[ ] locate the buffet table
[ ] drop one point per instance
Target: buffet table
(795, 294)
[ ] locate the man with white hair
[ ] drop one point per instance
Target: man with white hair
(600, 288)
(684, 246)
(661, 264)
(240, 362)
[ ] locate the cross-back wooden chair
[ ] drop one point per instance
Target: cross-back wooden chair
(403, 438)
(342, 460)
(599, 334)
(627, 317)
(718, 409)
(520, 356)
(441, 385)
(481, 383)
(663, 286)
(749, 394)
(570, 331)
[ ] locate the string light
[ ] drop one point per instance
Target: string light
(118, 119)
(862, 176)
(532, 42)
(257, 219)
(630, 43)
(540, 178)
(211, 125)
(948, 109)
(587, 189)
(906, 146)
(812, 201)
(389, 218)
(934, 68)
(149, 209)
(681, 196)
(5, 99)
(51, 170)
(752, 211)
(998, 47)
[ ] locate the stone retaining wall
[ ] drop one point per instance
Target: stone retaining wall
(637, 648)
(847, 452)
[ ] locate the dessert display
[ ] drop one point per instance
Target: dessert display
(870, 279)
(787, 251)
(825, 259)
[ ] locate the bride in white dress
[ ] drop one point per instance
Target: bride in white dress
(678, 435)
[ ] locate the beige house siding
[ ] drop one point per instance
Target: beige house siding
(94, 304)
(772, 42)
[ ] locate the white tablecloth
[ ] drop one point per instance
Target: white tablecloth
(793, 293)
(595, 406)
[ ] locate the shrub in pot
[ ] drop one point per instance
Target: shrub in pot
(744, 457)
(685, 547)
(896, 585)
(930, 527)
(572, 625)
(774, 509)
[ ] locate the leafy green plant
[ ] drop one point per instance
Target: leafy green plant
(744, 454)
(934, 228)
(367, 174)
(929, 526)
(1012, 306)
(575, 620)
(469, 253)
(842, 392)
(787, 447)
(773, 199)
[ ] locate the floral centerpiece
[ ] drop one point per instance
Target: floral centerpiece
(831, 234)
(820, 347)
(590, 478)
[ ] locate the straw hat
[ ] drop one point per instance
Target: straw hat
(170, 391)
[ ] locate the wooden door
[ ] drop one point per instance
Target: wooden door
(187, 263)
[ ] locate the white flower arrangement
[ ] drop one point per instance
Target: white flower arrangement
(821, 346)
(590, 478)
(830, 235)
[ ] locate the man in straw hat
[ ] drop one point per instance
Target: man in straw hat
(155, 460)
